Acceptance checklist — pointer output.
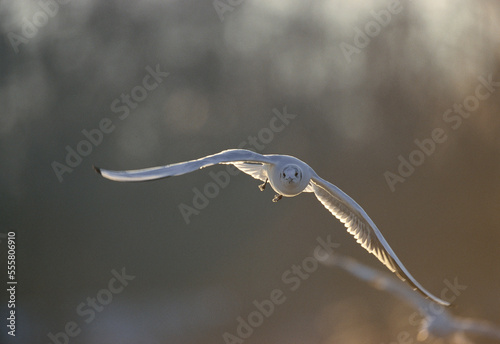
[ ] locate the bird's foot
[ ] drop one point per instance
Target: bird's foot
(277, 198)
(262, 187)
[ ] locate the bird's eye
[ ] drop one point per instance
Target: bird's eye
(296, 174)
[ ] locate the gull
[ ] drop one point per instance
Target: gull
(289, 176)
(437, 322)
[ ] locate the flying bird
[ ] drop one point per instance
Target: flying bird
(289, 176)
(437, 321)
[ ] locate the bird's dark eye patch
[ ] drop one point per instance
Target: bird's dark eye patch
(296, 174)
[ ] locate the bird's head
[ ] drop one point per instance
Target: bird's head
(291, 175)
(289, 180)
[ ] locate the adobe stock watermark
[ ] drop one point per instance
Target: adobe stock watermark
(12, 282)
(223, 6)
(30, 26)
(220, 180)
(122, 107)
(292, 280)
(370, 30)
(454, 116)
(86, 310)
(434, 311)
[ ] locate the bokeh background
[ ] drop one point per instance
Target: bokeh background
(230, 69)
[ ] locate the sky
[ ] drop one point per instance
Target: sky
(395, 102)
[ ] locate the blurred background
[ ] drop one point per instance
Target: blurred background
(360, 82)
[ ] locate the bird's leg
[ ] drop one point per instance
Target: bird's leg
(263, 186)
(277, 198)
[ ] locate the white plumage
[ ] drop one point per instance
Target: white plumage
(289, 176)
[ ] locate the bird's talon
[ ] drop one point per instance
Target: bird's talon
(277, 198)
(262, 187)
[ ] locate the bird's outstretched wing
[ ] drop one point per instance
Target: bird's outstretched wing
(366, 233)
(253, 169)
(231, 156)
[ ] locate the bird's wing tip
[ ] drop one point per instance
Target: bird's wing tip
(97, 169)
(440, 301)
(430, 297)
(445, 304)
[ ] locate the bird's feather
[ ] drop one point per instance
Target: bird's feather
(364, 230)
(230, 156)
(255, 170)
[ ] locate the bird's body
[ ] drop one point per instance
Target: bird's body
(289, 177)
